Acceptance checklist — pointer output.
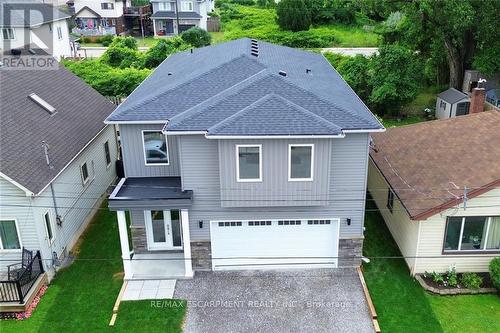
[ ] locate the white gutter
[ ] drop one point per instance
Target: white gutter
(227, 137)
(364, 130)
(13, 182)
(135, 122)
(184, 132)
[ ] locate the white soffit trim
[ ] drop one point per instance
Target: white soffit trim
(228, 137)
(16, 184)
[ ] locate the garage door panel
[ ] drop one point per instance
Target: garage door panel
(274, 246)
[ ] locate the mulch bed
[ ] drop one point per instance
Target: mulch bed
(487, 283)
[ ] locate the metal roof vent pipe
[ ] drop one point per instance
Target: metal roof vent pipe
(191, 51)
(308, 71)
(282, 73)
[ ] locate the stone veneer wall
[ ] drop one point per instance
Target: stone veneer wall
(201, 253)
(139, 241)
(350, 252)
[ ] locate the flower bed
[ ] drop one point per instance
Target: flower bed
(452, 283)
(29, 310)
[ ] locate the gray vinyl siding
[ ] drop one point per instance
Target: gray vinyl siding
(133, 153)
(274, 189)
(347, 186)
(75, 201)
(14, 204)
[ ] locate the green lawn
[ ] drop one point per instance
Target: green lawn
(82, 296)
(141, 42)
(403, 306)
(388, 123)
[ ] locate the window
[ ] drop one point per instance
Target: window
(8, 33)
(85, 173)
(48, 227)
(59, 33)
(442, 105)
(472, 233)
(289, 222)
(259, 223)
(186, 6)
(390, 199)
(248, 163)
(310, 222)
(155, 148)
(9, 235)
(107, 154)
(230, 224)
(164, 6)
(107, 5)
(300, 162)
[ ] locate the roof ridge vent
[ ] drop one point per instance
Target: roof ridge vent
(42, 103)
(282, 73)
(255, 53)
(254, 48)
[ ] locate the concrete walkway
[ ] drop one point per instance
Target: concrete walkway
(310, 301)
(148, 289)
(352, 51)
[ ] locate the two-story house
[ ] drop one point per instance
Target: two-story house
(172, 17)
(97, 18)
(242, 155)
(57, 162)
(34, 26)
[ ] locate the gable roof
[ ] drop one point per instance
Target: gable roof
(452, 95)
(12, 13)
(86, 8)
(24, 124)
(196, 91)
(429, 164)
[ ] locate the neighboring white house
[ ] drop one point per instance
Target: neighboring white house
(46, 29)
(45, 207)
(168, 20)
(98, 17)
(437, 186)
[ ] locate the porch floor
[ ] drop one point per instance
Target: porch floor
(158, 266)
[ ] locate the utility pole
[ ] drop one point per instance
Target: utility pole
(177, 14)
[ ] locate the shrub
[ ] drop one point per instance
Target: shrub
(105, 40)
(471, 280)
(495, 272)
(293, 15)
(163, 48)
(436, 277)
(451, 278)
(127, 42)
(122, 57)
(196, 37)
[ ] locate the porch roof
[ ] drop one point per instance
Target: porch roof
(150, 193)
(173, 15)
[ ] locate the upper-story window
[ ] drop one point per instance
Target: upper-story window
(107, 153)
(472, 233)
(155, 148)
(107, 5)
(8, 33)
(49, 227)
(85, 173)
(165, 6)
(59, 33)
(300, 162)
(9, 235)
(249, 163)
(187, 6)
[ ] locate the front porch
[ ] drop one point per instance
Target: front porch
(153, 219)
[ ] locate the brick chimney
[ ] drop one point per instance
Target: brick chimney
(477, 100)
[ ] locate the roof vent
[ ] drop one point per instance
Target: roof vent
(308, 71)
(282, 73)
(191, 50)
(255, 53)
(169, 73)
(254, 48)
(46, 106)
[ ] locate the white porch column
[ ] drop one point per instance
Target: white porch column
(187, 243)
(154, 28)
(122, 228)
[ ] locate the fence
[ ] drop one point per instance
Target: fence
(213, 24)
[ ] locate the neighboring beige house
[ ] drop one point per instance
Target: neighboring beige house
(99, 17)
(437, 186)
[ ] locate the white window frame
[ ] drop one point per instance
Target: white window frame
(290, 179)
(462, 226)
(184, 4)
(106, 154)
(85, 180)
(109, 6)
(12, 35)
(167, 8)
(250, 180)
(18, 236)
(51, 221)
(59, 33)
(144, 148)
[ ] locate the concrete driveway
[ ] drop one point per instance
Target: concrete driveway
(275, 301)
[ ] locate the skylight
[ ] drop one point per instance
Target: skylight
(40, 101)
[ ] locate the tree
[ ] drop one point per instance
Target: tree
(293, 15)
(163, 48)
(355, 71)
(395, 77)
(196, 37)
(468, 31)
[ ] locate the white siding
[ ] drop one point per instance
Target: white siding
(403, 230)
(432, 237)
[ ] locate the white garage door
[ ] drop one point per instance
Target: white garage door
(274, 244)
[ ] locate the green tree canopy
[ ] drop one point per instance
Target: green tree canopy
(293, 15)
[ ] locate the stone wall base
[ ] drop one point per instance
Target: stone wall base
(350, 252)
(201, 253)
(139, 241)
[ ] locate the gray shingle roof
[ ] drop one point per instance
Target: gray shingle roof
(24, 124)
(12, 13)
(172, 15)
(196, 91)
(452, 95)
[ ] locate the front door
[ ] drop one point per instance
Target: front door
(163, 229)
